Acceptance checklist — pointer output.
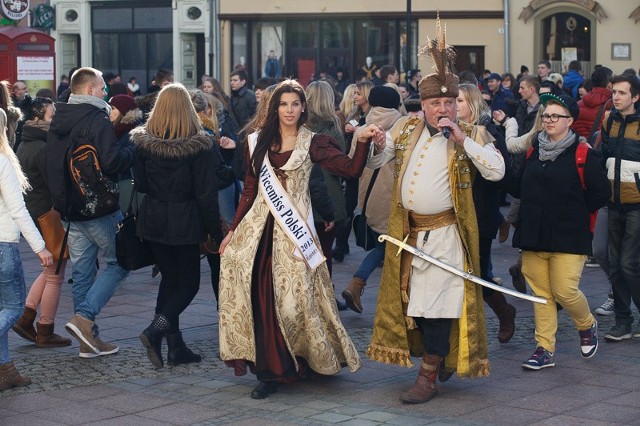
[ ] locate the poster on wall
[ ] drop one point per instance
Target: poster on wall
(36, 71)
(568, 54)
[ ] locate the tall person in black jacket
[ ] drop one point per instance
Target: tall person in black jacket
(175, 168)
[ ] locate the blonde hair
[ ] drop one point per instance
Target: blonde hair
(7, 151)
(365, 89)
(477, 105)
(321, 101)
(260, 117)
(214, 106)
(348, 105)
(173, 115)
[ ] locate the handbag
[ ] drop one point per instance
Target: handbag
(365, 236)
(53, 234)
(132, 251)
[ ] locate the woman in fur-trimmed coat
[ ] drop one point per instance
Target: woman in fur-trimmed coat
(175, 168)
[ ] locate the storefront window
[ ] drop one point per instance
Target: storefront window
(337, 45)
(269, 49)
(240, 48)
(377, 40)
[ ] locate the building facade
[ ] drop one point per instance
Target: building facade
(196, 37)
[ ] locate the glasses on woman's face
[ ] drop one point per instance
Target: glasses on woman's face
(553, 117)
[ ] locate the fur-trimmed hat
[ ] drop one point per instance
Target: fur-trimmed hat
(123, 103)
(441, 83)
(384, 96)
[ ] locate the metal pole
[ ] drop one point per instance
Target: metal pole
(407, 55)
(212, 18)
(507, 54)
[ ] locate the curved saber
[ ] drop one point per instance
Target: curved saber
(467, 276)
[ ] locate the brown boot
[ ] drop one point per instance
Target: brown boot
(46, 338)
(10, 378)
(24, 326)
(506, 314)
(425, 388)
(352, 294)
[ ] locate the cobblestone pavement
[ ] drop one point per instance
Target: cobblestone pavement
(125, 389)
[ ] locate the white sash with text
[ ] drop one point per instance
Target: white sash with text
(287, 215)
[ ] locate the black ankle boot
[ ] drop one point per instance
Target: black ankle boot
(264, 389)
(151, 338)
(179, 353)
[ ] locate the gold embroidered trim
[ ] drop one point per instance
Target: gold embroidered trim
(389, 355)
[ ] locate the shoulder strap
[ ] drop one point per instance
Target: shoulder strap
(369, 188)
(597, 122)
(581, 159)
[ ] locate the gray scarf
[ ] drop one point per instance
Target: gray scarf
(551, 150)
(91, 100)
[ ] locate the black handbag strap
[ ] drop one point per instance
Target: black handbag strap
(596, 122)
(134, 196)
(369, 188)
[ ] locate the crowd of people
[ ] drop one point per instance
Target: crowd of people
(266, 183)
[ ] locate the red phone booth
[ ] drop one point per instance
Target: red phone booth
(29, 55)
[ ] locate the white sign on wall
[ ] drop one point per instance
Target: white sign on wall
(35, 68)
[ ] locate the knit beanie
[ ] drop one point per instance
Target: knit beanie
(123, 103)
(384, 96)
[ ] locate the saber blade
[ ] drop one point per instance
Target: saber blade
(467, 276)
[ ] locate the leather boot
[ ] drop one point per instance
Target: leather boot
(506, 314)
(10, 378)
(353, 292)
(179, 353)
(151, 338)
(517, 278)
(24, 326)
(46, 338)
(425, 387)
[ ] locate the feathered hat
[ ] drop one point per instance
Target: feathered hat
(441, 83)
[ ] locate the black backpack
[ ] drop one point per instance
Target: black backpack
(89, 192)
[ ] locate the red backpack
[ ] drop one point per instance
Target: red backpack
(581, 158)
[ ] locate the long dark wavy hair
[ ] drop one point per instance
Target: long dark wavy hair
(269, 136)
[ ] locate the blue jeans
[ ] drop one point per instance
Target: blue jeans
(624, 262)
(90, 294)
(12, 294)
(227, 203)
(371, 260)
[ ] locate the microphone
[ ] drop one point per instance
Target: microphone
(445, 130)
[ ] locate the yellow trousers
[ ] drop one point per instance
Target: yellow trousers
(555, 277)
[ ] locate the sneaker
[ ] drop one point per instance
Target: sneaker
(618, 333)
(497, 280)
(591, 262)
(104, 349)
(589, 340)
(606, 308)
(637, 332)
(541, 358)
(82, 329)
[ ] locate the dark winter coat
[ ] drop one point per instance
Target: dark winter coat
(32, 154)
(243, 105)
(554, 210)
(486, 194)
(179, 180)
(86, 120)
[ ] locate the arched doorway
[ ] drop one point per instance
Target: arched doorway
(566, 34)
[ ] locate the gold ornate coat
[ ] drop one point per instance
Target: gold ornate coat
(395, 337)
(304, 298)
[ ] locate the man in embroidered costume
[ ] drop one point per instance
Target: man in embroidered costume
(423, 310)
